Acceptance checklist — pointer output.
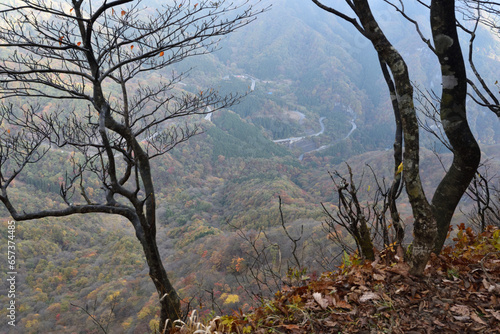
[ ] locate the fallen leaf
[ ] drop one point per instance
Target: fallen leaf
(439, 323)
(343, 304)
(495, 314)
(330, 323)
(291, 326)
(368, 296)
(400, 268)
(486, 284)
(476, 318)
(402, 289)
(320, 300)
(462, 310)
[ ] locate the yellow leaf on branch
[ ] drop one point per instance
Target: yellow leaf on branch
(400, 169)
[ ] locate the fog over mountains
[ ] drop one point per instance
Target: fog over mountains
(316, 98)
(327, 66)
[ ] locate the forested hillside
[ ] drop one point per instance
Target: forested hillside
(306, 75)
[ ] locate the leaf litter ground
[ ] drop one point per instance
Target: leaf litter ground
(458, 293)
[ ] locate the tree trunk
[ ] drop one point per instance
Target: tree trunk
(398, 155)
(466, 152)
(431, 221)
(365, 240)
(169, 299)
(145, 225)
(425, 227)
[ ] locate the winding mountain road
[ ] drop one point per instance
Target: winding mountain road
(292, 140)
(295, 139)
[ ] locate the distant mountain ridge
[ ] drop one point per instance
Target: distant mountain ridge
(304, 62)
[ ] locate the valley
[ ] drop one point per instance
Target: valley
(243, 200)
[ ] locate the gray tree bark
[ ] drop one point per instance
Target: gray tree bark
(466, 152)
(431, 220)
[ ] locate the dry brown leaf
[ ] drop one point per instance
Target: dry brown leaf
(486, 284)
(476, 318)
(490, 287)
(343, 304)
(330, 323)
(400, 268)
(495, 314)
(462, 311)
(439, 323)
(291, 326)
(402, 288)
(320, 300)
(368, 296)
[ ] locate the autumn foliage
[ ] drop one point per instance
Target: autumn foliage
(459, 293)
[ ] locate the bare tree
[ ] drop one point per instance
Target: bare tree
(487, 14)
(266, 260)
(351, 215)
(102, 53)
(431, 219)
(367, 221)
(486, 199)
